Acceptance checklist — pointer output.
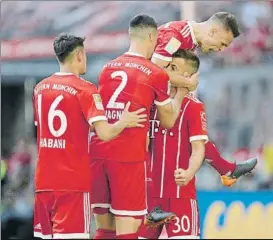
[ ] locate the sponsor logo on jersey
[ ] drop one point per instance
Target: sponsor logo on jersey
(38, 226)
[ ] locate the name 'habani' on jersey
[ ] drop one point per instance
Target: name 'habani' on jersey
(52, 143)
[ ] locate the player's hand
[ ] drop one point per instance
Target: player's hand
(133, 119)
(182, 177)
(193, 80)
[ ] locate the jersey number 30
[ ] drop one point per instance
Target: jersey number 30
(112, 102)
(53, 113)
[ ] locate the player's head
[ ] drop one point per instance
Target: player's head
(143, 30)
(221, 29)
(69, 50)
(184, 62)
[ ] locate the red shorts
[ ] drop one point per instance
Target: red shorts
(63, 215)
(185, 225)
(120, 186)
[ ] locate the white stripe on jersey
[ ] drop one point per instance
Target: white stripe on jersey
(185, 30)
(152, 142)
(163, 165)
(179, 143)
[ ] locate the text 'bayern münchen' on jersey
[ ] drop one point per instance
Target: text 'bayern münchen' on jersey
(173, 36)
(172, 149)
(130, 77)
(64, 107)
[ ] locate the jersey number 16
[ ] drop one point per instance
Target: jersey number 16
(53, 113)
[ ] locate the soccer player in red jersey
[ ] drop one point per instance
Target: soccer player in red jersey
(66, 109)
(215, 34)
(175, 149)
(118, 167)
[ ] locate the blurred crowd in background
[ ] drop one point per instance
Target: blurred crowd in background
(235, 85)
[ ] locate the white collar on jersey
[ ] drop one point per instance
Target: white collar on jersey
(192, 33)
(63, 73)
(134, 54)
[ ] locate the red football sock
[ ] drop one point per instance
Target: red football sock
(104, 234)
(128, 236)
(216, 161)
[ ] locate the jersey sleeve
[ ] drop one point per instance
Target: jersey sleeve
(168, 43)
(160, 85)
(197, 122)
(91, 105)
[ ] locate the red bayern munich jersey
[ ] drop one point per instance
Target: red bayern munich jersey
(64, 106)
(130, 77)
(172, 149)
(173, 36)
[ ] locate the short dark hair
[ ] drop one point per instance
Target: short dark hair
(142, 21)
(64, 44)
(189, 56)
(229, 21)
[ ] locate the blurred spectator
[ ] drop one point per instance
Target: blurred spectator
(255, 12)
(17, 197)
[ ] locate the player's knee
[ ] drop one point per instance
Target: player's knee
(104, 219)
(128, 224)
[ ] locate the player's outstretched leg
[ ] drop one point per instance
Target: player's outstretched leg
(229, 172)
(158, 217)
(241, 169)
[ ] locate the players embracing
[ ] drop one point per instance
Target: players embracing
(178, 153)
(118, 171)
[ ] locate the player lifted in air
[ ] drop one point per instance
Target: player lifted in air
(175, 149)
(66, 107)
(212, 35)
(215, 34)
(118, 167)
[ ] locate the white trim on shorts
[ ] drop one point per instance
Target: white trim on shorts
(86, 213)
(101, 205)
(195, 217)
(71, 236)
(185, 237)
(40, 235)
(128, 213)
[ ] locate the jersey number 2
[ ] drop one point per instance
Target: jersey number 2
(112, 102)
(52, 113)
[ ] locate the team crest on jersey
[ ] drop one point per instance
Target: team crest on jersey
(98, 101)
(203, 120)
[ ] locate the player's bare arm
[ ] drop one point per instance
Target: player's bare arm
(168, 114)
(182, 177)
(107, 132)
